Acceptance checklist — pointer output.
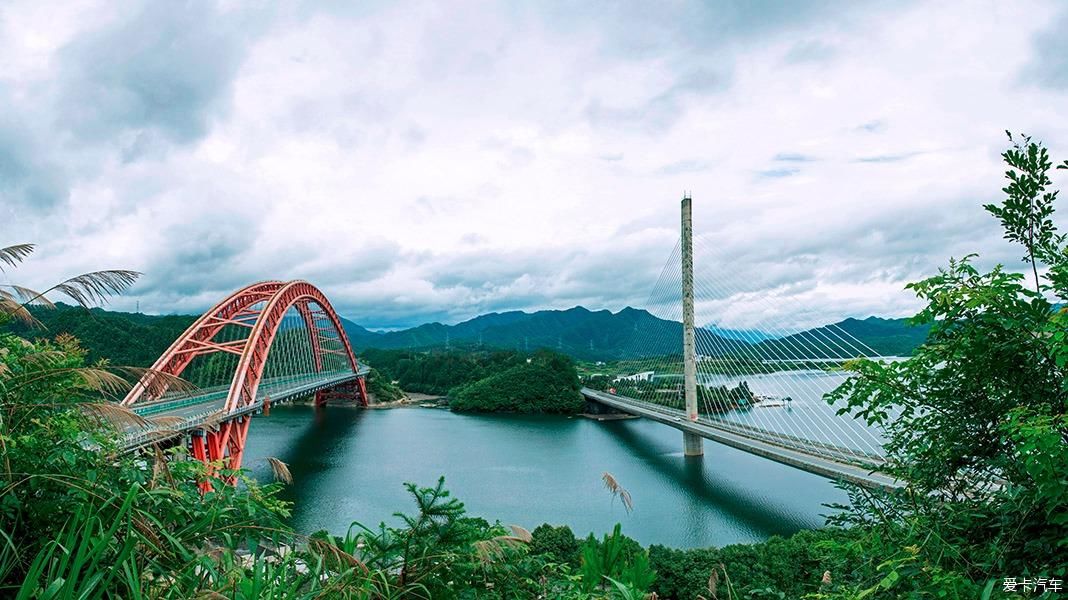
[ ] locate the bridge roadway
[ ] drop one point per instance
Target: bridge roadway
(180, 413)
(820, 458)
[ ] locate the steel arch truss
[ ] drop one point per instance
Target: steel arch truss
(260, 308)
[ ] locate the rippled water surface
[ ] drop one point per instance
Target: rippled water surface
(351, 464)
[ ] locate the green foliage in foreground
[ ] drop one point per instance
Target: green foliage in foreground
(544, 383)
(982, 435)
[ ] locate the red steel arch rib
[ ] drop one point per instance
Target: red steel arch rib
(235, 309)
(261, 308)
(250, 369)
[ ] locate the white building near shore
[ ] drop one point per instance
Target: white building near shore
(643, 376)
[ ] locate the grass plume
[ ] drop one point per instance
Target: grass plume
(617, 490)
(280, 470)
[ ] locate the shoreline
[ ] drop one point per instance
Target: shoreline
(412, 400)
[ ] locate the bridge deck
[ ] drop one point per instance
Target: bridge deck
(814, 457)
(182, 413)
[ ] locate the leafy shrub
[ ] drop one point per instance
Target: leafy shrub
(557, 543)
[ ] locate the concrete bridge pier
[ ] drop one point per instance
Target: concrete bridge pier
(692, 444)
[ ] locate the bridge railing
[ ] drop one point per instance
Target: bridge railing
(145, 436)
(212, 394)
(135, 438)
(813, 447)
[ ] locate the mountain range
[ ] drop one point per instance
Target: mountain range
(138, 339)
(630, 333)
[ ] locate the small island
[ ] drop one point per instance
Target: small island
(481, 381)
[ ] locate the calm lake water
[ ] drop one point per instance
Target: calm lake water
(351, 464)
(807, 415)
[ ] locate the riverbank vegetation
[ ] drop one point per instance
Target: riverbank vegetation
(381, 388)
(975, 423)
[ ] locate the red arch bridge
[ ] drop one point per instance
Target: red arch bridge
(267, 343)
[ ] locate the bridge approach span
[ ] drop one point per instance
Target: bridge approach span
(814, 457)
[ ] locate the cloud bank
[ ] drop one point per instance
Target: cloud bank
(432, 161)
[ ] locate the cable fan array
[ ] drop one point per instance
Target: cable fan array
(767, 382)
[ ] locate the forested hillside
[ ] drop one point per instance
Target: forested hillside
(546, 382)
(440, 371)
(129, 339)
(886, 337)
(138, 339)
(577, 332)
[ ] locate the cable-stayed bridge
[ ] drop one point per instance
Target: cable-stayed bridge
(824, 459)
(761, 390)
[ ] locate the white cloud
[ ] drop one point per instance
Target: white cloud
(432, 161)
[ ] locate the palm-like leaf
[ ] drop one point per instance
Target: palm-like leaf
(94, 287)
(109, 381)
(116, 415)
(495, 548)
(155, 383)
(338, 555)
(25, 295)
(17, 310)
(85, 289)
(521, 533)
(93, 378)
(13, 255)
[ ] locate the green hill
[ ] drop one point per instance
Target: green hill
(887, 337)
(544, 383)
(128, 339)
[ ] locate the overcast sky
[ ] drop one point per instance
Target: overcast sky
(437, 160)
